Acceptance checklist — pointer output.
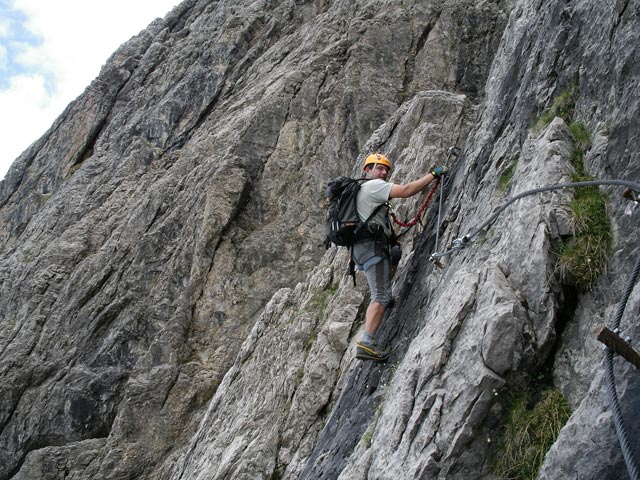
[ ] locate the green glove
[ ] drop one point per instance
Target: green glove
(437, 172)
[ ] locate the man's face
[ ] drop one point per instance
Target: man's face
(378, 171)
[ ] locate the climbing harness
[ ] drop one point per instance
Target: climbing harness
(630, 193)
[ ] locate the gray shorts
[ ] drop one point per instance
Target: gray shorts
(373, 258)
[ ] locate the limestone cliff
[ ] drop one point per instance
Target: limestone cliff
(168, 309)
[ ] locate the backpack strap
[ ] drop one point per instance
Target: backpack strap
(352, 262)
(352, 266)
(364, 224)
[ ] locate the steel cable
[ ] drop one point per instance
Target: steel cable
(548, 188)
(618, 420)
(463, 241)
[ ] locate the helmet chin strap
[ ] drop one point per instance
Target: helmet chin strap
(372, 171)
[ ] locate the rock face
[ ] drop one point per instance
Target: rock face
(168, 309)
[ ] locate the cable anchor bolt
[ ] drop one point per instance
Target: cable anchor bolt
(435, 259)
(633, 198)
(460, 243)
(455, 151)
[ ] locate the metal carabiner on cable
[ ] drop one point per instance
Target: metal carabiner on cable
(455, 151)
(457, 244)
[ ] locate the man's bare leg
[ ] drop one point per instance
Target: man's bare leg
(373, 317)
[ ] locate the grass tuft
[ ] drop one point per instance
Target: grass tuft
(581, 136)
(563, 106)
(530, 430)
(584, 257)
(505, 177)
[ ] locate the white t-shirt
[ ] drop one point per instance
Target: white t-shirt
(373, 193)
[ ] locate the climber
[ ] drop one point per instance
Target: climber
(372, 253)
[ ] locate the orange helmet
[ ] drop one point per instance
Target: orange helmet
(377, 158)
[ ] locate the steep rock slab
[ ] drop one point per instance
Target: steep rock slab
(547, 50)
(409, 137)
(324, 378)
(477, 324)
(139, 232)
(279, 385)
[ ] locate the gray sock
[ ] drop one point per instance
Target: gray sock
(366, 338)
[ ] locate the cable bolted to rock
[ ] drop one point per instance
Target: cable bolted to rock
(467, 239)
(629, 456)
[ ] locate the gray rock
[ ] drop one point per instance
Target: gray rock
(167, 308)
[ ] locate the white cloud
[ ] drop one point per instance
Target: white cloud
(27, 112)
(3, 57)
(4, 26)
(77, 37)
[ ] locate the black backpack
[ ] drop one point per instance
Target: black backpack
(344, 226)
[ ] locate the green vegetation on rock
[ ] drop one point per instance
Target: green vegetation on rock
(563, 106)
(584, 257)
(532, 426)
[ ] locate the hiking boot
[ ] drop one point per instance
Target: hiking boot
(367, 351)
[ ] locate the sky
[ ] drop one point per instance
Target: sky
(50, 51)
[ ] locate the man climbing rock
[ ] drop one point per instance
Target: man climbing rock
(372, 252)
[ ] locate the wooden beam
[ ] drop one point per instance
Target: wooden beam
(619, 345)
